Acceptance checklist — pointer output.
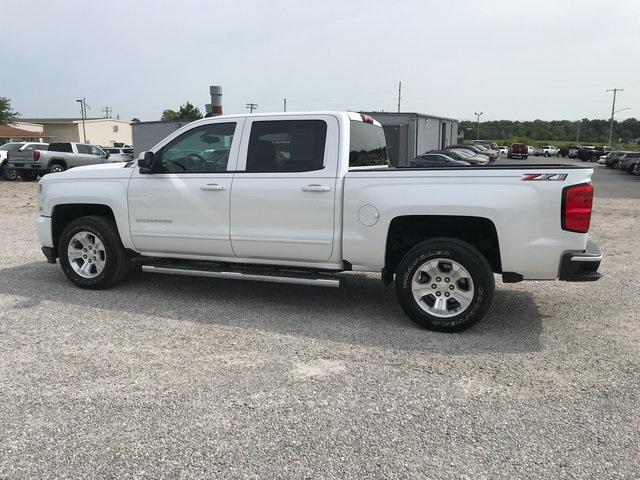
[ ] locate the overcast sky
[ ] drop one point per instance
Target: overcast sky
(509, 59)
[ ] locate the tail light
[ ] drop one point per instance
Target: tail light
(577, 202)
(36, 155)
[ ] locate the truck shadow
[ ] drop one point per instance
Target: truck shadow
(361, 313)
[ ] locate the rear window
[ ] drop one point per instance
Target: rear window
(368, 146)
(60, 147)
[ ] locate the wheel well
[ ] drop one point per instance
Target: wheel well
(407, 231)
(59, 161)
(64, 214)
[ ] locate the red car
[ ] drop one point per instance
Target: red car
(518, 150)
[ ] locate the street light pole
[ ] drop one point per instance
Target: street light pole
(613, 108)
(478, 124)
(83, 113)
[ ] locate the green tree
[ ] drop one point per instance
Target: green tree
(185, 112)
(135, 120)
(7, 115)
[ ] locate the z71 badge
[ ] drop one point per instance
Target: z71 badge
(550, 177)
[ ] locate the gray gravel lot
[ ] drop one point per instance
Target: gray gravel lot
(175, 377)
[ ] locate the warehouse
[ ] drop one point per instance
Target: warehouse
(108, 132)
(411, 134)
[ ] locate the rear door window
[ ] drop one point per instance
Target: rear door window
(286, 146)
(60, 147)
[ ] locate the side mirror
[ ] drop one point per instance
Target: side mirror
(146, 162)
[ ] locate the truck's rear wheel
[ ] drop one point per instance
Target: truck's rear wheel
(56, 168)
(91, 253)
(445, 285)
(8, 173)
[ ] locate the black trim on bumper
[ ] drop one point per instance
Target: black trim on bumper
(50, 253)
(511, 277)
(581, 265)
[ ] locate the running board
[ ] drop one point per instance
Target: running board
(272, 276)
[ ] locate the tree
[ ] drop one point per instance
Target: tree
(135, 120)
(7, 115)
(185, 112)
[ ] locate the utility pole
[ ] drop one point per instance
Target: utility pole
(399, 94)
(578, 133)
(613, 108)
(107, 112)
(285, 105)
(478, 124)
(83, 112)
(251, 107)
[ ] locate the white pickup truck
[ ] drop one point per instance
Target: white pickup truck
(298, 197)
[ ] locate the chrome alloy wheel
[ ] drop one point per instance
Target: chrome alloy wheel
(86, 254)
(442, 287)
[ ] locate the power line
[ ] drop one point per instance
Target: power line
(251, 107)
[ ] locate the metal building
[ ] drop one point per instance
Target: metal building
(147, 134)
(411, 134)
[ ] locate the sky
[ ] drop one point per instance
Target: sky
(515, 60)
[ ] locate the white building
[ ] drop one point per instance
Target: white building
(108, 132)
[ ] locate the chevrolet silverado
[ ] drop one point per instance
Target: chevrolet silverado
(299, 197)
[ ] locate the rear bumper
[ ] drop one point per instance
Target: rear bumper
(27, 166)
(581, 265)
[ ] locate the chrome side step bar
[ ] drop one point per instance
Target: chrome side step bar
(269, 276)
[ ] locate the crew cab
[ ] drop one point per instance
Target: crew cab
(299, 197)
(57, 158)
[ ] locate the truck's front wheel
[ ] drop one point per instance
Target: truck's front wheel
(445, 285)
(91, 253)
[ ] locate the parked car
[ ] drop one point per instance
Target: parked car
(464, 156)
(119, 154)
(518, 150)
(478, 149)
(469, 153)
(291, 206)
(436, 160)
(591, 154)
(12, 149)
(530, 150)
(548, 151)
(612, 160)
(58, 158)
(636, 169)
(628, 162)
(486, 143)
(573, 151)
(503, 149)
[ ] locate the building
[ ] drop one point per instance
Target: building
(146, 134)
(9, 133)
(108, 132)
(411, 134)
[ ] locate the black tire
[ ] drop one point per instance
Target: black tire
(7, 173)
(117, 263)
(467, 256)
(57, 167)
(525, 157)
(28, 175)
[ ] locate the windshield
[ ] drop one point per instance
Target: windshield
(11, 147)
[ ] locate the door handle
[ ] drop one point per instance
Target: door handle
(212, 186)
(316, 188)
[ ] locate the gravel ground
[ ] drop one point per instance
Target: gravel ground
(175, 377)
